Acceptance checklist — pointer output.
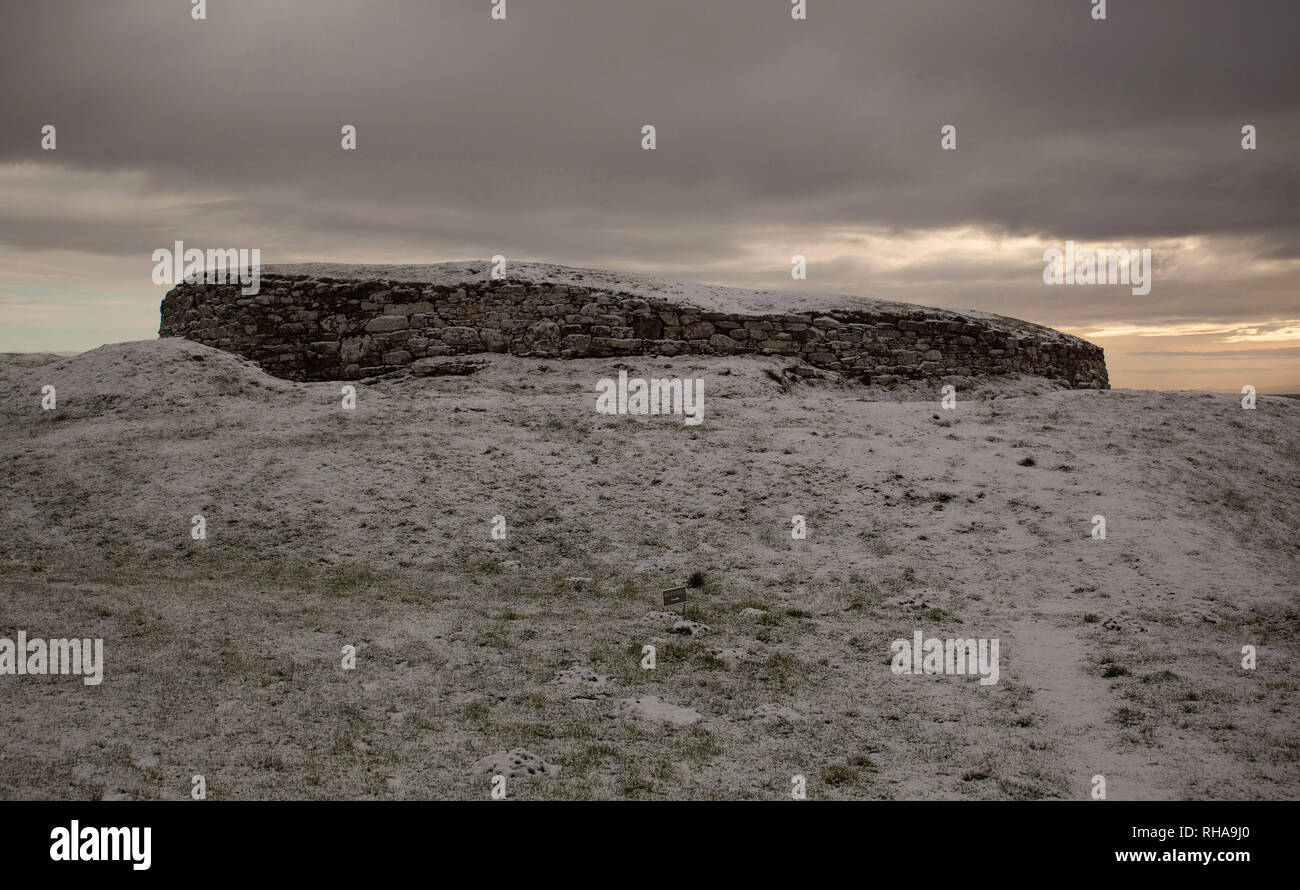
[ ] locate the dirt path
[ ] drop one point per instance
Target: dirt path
(1052, 658)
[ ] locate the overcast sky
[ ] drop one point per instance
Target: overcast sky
(775, 137)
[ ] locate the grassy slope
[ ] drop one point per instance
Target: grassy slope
(371, 528)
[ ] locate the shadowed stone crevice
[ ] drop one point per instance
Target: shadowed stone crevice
(337, 323)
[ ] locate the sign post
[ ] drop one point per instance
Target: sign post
(674, 595)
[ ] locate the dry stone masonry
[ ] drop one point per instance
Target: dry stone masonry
(326, 322)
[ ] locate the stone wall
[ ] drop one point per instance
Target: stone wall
(311, 327)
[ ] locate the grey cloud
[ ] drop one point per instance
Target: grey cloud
(523, 136)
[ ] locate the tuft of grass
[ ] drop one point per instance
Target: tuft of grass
(1160, 677)
(1235, 500)
(349, 723)
(864, 762)
(1028, 462)
(1128, 717)
(839, 774)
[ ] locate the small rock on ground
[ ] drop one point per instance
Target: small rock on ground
(772, 713)
(1122, 625)
(679, 624)
(435, 367)
(583, 681)
(514, 764)
(652, 707)
(731, 657)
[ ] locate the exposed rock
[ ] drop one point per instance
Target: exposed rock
(583, 682)
(730, 656)
(772, 713)
(386, 323)
(652, 707)
(442, 367)
(515, 764)
(543, 336)
(676, 623)
(461, 336)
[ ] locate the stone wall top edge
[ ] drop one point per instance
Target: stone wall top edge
(1004, 325)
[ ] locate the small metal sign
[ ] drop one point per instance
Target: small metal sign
(674, 595)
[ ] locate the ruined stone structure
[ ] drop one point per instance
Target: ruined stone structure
(319, 322)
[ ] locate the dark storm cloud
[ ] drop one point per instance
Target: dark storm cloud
(524, 135)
